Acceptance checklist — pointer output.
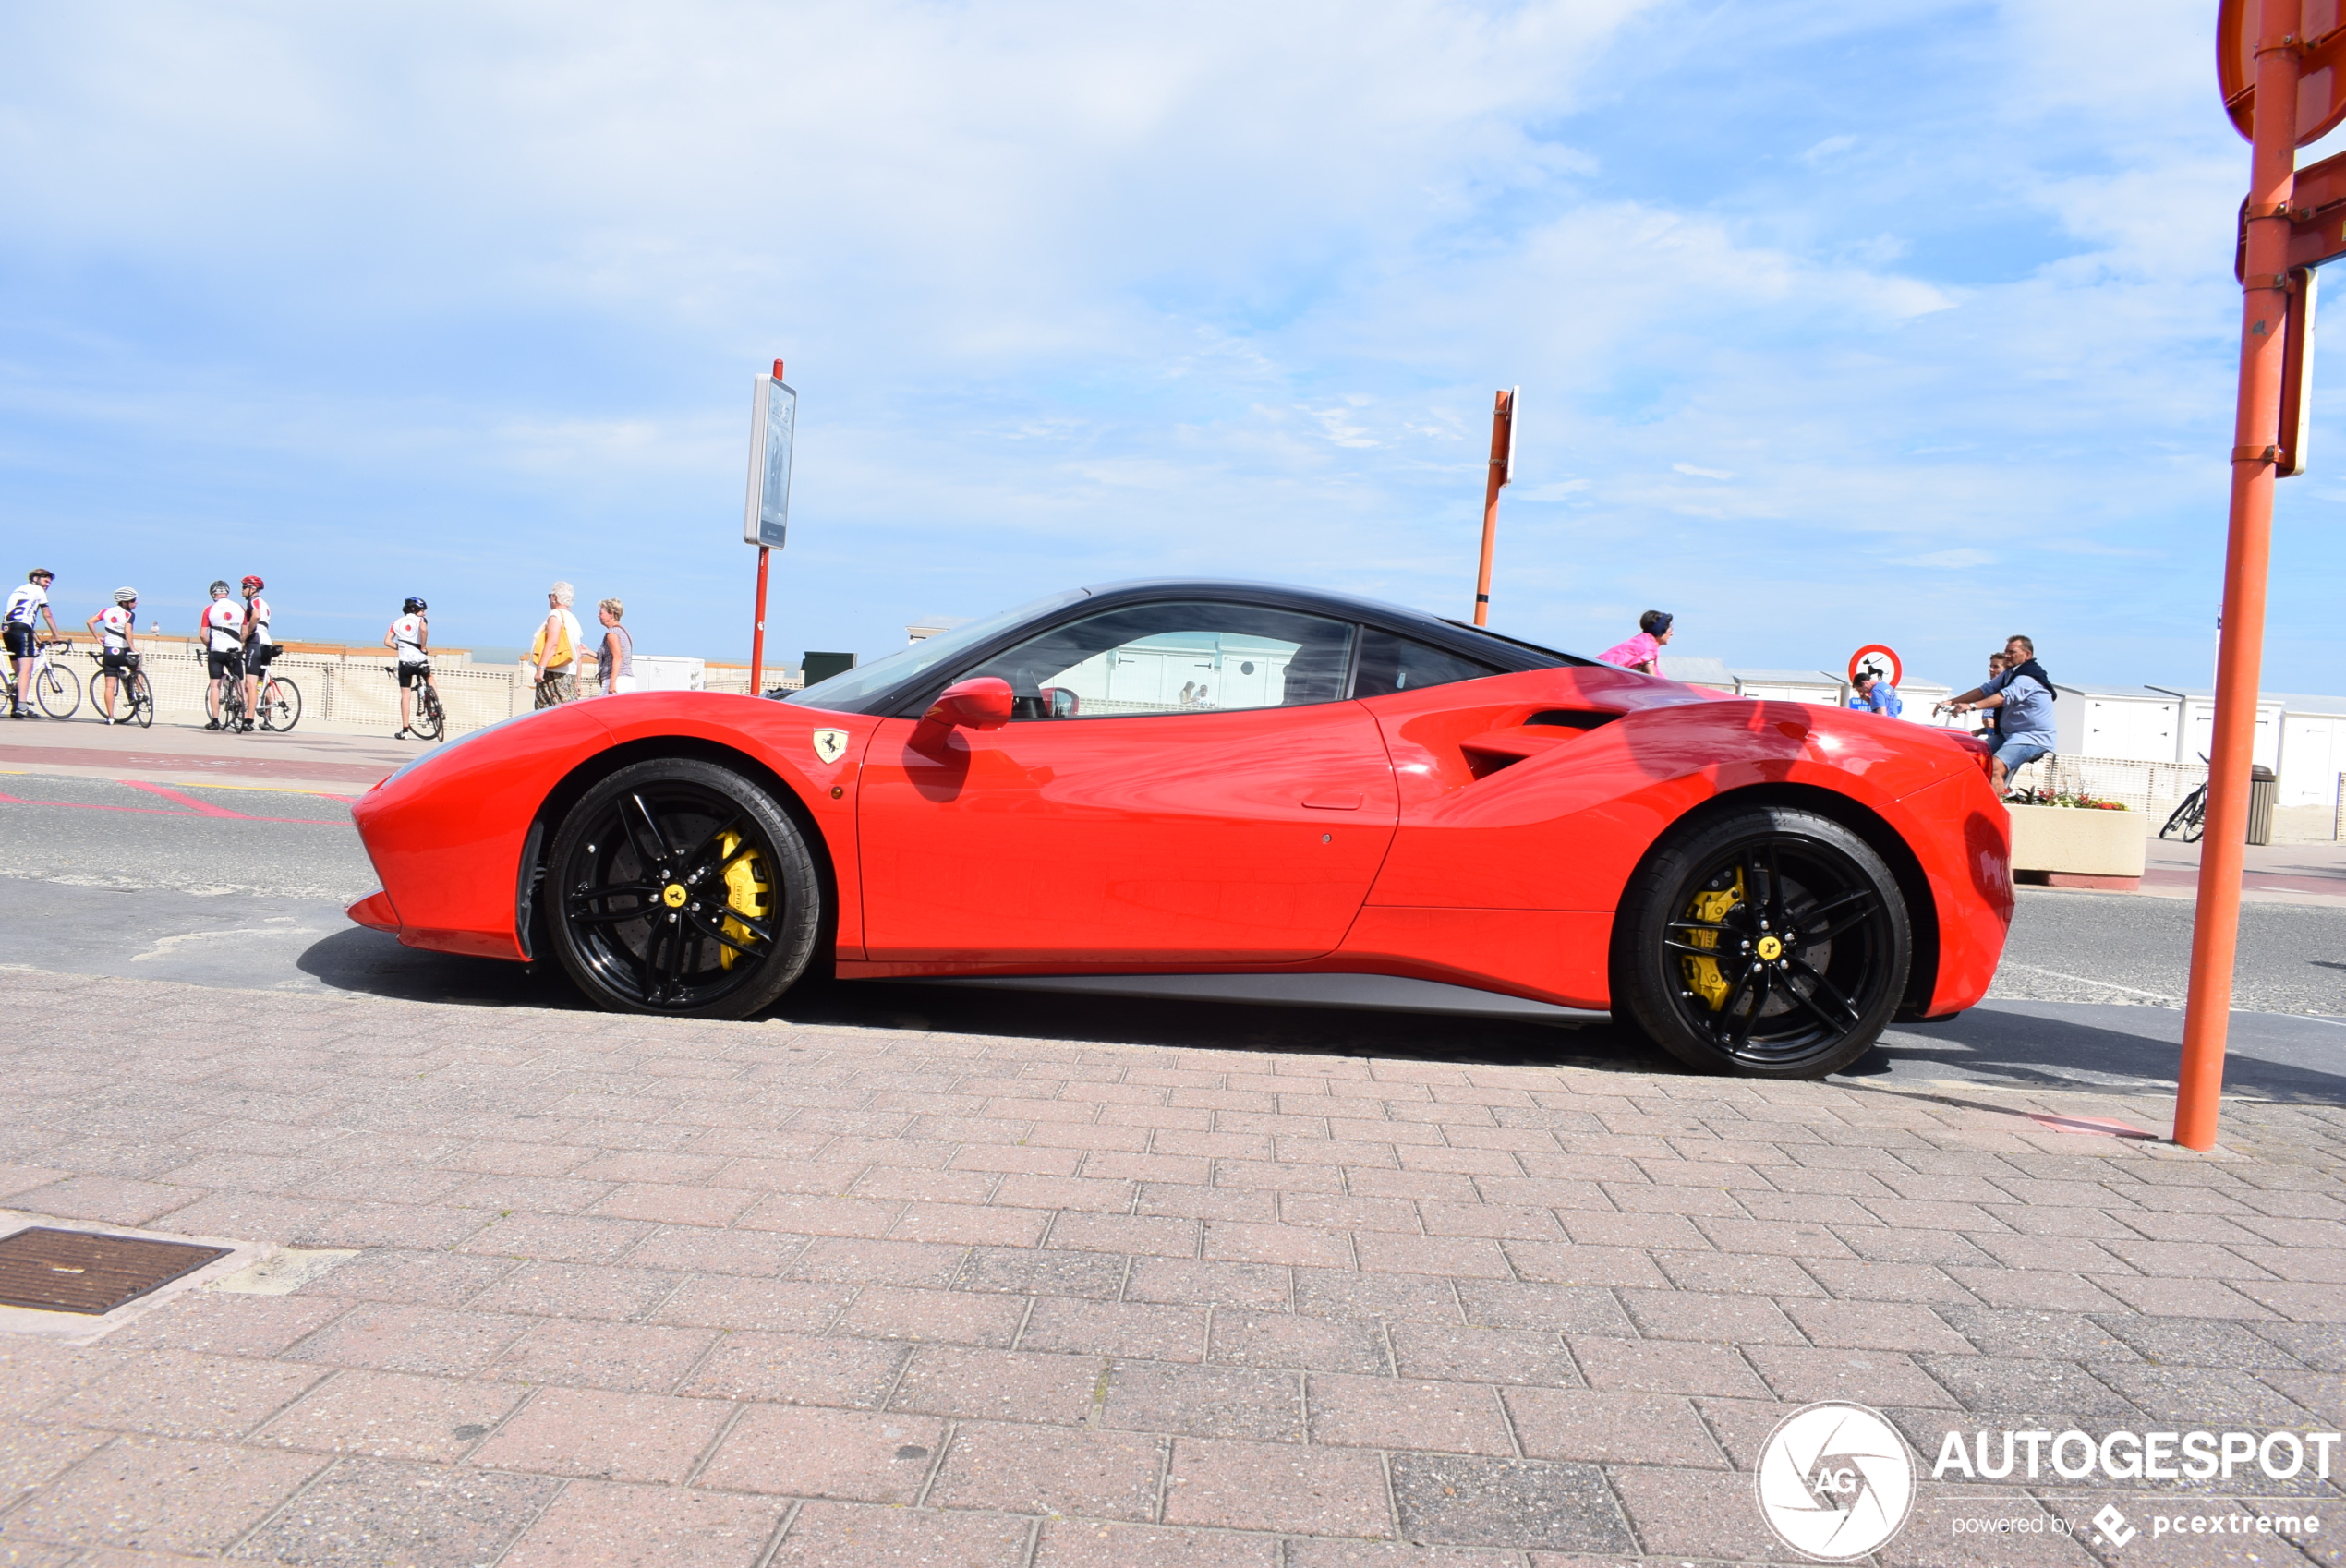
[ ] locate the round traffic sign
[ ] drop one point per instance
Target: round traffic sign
(2321, 92)
(1879, 658)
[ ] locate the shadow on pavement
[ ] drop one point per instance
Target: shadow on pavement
(2016, 1044)
(372, 963)
(2083, 1045)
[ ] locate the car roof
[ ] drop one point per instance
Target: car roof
(1488, 646)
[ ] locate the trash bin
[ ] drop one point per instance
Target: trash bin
(2264, 792)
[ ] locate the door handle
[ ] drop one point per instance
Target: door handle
(1333, 799)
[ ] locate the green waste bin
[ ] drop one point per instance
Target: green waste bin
(2263, 793)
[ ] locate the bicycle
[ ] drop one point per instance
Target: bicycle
(431, 721)
(2191, 816)
(280, 703)
(131, 688)
(224, 707)
(55, 688)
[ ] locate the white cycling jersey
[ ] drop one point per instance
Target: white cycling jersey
(224, 623)
(25, 603)
(408, 632)
(114, 628)
(256, 617)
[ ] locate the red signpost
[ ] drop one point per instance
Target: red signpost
(2286, 53)
(1502, 470)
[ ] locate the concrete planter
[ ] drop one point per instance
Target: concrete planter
(2067, 847)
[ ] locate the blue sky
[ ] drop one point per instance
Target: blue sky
(1836, 323)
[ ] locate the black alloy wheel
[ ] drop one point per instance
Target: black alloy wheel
(678, 886)
(1765, 943)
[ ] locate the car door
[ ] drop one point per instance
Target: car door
(1184, 782)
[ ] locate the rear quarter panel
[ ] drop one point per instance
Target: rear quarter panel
(1563, 831)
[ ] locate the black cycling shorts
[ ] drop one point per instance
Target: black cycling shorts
(414, 674)
(19, 640)
(226, 664)
(118, 661)
(257, 655)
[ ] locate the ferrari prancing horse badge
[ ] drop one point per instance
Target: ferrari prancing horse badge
(830, 744)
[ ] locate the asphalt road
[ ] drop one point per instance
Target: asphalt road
(245, 888)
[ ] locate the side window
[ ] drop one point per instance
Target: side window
(1396, 664)
(1176, 657)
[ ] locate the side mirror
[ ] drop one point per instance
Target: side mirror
(984, 702)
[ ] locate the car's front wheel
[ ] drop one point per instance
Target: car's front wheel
(1766, 943)
(678, 886)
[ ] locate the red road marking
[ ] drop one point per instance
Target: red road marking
(158, 810)
(201, 808)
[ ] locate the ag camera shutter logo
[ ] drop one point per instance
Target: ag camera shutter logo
(1835, 1481)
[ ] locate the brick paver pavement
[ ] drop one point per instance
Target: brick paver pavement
(634, 1291)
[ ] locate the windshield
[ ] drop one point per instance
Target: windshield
(843, 691)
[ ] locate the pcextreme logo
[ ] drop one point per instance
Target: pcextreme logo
(1835, 1481)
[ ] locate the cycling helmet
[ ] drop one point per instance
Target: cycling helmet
(255, 583)
(39, 572)
(218, 587)
(125, 596)
(412, 606)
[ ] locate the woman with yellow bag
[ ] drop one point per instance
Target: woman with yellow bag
(555, 652)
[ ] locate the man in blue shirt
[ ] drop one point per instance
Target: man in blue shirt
(2024, 694)
(1874, 695)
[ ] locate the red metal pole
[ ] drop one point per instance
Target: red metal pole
(757, 637)
(2214, 935)
(1502, 413)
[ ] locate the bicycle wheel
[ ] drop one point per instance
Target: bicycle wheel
(143, 699)
(280, 704)
(432, 721)
(57, 691)
(2185, 809)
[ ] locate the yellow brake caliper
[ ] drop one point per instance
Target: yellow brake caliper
(746, 889)
(1702, 974)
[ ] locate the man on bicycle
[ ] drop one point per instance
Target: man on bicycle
(117, 660)
(260, 647)
(222, 629)
(410, 638)
(27, 603)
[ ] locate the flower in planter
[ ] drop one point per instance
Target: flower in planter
(2079, 799)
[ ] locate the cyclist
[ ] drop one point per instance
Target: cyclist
(410, 638)
(222, 628)
(260, 647)
(117, 660)
(25, 605)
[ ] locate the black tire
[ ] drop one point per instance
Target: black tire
(2189, 816)
(143, 699)
(432, 719)
(639, 847)
(1779, 1001)
(58, 690)
(280, 704)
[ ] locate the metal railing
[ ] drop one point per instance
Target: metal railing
(2138, 786)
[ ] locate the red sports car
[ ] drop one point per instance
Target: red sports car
(1219, 778)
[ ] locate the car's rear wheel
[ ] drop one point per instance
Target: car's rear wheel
(1765, 943)
(678, 886)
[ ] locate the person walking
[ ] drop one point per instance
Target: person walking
(221, 629)
(410, 639)
(2023, 697)
(555, 652)
(117, 660)
(615, 662)
(29, 603)
(1643, 653)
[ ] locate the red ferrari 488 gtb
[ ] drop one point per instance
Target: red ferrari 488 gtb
(1217, 779)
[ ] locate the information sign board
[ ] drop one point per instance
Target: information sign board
(772, 427)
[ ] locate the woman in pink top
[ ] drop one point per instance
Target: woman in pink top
(1643, 653)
